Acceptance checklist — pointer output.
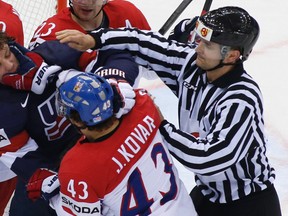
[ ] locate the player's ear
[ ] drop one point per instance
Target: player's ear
(232, 56)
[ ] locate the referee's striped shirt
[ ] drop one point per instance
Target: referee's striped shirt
(222, 136)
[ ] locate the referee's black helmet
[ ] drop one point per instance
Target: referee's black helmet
(230, 26)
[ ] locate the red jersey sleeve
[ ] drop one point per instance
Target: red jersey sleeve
(12, 144)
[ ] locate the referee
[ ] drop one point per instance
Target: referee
(221, 137)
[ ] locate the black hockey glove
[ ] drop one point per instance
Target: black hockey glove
(182, 30)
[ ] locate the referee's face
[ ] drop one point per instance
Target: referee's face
(208, 54)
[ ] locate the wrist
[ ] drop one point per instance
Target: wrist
(95, 40)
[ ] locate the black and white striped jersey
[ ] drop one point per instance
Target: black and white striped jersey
(221, 137)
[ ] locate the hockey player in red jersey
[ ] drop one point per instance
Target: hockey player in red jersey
(120, 166)
(11, 23)
(89, 15)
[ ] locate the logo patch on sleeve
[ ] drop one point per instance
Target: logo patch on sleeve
(4, 140)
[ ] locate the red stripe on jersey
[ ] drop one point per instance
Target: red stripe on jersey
(16, 143)
(86, 58)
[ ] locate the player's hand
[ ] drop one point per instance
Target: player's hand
(66, 75)
(33, 79)
(182, 31)
(76, 39)
(44, 184)
(124, 97)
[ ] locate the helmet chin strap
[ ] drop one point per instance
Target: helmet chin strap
(73, 12)
(221, 64)
(99, 11)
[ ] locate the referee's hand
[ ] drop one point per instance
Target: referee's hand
(76, 39)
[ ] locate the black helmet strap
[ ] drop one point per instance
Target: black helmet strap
(224, 50)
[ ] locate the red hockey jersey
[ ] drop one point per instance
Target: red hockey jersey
(128, 173)
(120, 13)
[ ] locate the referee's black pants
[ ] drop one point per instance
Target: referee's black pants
(264, 203)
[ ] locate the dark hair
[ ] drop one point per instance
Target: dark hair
(5, 39)
(74, 115)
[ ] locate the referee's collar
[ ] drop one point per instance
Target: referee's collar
(230, 77)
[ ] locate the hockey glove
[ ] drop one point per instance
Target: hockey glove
(182, 31)
(44, 184)
(33, 78)
(124, 97)
(66, 75)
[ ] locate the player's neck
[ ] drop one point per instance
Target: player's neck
(93, 135)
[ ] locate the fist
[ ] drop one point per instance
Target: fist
(124, 97)
(33, 79)
(44, 184)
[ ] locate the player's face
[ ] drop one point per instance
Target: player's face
(8, 61)
(208, 54)
(85, 2)
(87, 9)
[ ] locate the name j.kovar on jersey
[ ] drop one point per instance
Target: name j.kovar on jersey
(132, 144)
